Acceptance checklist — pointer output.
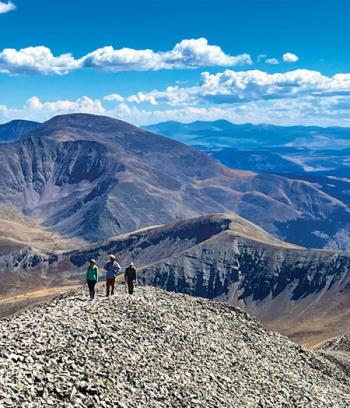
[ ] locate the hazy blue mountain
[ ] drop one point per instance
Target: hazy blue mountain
(94, 177)
(255, 160)
(16, 129)
(222, 133)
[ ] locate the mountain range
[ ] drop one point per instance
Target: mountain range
(267, 148)
(222, 133)
(92, 177)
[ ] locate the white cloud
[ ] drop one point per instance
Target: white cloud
(186, 54)
(172, 95)
(83, 104)
(272, 61)
(290, 57)
(243, 86)
(35, 109)
(192, 53)
(35, 60)
(5, 7)
(114, 98)
(198, 53)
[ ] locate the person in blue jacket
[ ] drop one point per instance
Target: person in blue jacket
(92, 277)
(112, 269)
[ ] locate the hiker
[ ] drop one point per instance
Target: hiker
(130, 277)
(112, 269)
(92, 277)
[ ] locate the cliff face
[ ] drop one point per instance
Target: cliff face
(304, 294)
(157, 349)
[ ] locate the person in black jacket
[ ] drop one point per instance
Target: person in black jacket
(130, 277)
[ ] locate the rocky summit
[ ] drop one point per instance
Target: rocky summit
(157, 349)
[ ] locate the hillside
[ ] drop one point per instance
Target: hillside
(157, 350)
(94, 177)
(19, 231)
(24, 247)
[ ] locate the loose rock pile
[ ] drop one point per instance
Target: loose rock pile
(338, 351)
(156, 349)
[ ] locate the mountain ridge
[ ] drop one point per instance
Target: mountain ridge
(248, 135)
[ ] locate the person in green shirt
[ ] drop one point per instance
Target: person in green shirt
(92, 277)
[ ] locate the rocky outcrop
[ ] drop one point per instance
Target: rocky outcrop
(95, 177)
(157, 349)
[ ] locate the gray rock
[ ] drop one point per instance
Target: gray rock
(155, 350)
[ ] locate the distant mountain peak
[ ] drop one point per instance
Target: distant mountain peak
(16, 129)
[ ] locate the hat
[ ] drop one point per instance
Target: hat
(92, 260)
(112, 256)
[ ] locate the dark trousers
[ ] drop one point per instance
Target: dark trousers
(130, 287)
(110, 283)
(91, 285)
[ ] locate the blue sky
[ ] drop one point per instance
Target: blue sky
(272, 61)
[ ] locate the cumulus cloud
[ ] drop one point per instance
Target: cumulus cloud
(35, 60)
(290, 57)
(193, 53)
(244, 86)
(172, 95)
(232, 86)
(5, 7)
(83, 104)
(35, 109)
(114, 98)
